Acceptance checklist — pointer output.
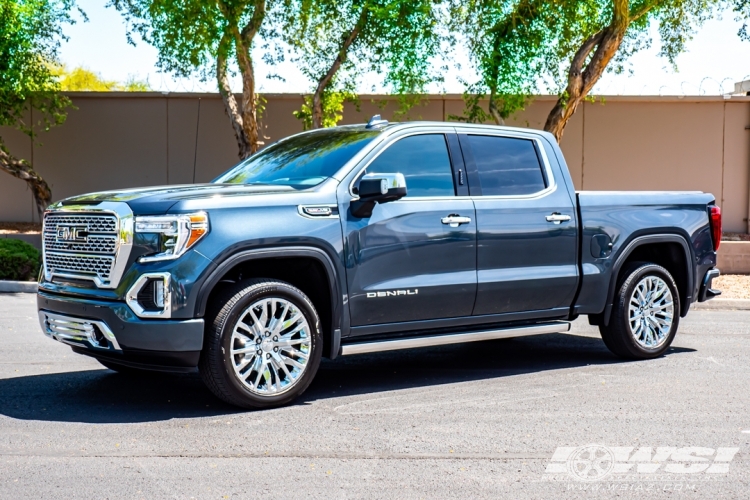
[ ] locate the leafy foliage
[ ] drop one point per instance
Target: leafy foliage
(524, 47)
(82, 79)
(333, 108)
(30, 33)
(336, 42)
(19, 261)
(202, 37)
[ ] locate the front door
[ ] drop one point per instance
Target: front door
(526, 226)
(415, 258)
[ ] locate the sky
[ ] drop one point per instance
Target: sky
(714, 60)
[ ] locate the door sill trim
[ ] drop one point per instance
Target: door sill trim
(455, 338)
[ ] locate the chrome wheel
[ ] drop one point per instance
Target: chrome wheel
(651, 312)
(270, 346)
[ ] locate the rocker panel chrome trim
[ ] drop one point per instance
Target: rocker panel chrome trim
(456, 338)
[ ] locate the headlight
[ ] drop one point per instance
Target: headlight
(177, 233)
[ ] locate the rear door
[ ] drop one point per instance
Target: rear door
(526, 226)
(413, 259)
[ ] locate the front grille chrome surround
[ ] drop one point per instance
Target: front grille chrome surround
(78, 331)
(87, 242)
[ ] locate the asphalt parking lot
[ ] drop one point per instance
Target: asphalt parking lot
(500, 419)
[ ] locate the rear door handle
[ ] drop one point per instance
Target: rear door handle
(557, 218)
(455, 220)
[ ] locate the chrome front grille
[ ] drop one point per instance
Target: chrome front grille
(95, 222)
(71, 264)
(89, 243)
(96, 244)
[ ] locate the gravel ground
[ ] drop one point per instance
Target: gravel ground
(733, 286)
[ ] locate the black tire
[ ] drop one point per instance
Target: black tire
(217, 365)
(124, 370)
(617, 335)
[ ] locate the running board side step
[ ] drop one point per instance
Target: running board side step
(455, 338)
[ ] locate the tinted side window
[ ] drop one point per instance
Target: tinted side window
(424, 161)
(507, 166)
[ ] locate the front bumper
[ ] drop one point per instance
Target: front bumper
(110, 330)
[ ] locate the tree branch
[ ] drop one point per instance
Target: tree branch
(605, 44)
(21, 169)
(253, 25)
(634, 16)
(317, 101)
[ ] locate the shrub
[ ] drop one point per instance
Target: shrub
(18, 260)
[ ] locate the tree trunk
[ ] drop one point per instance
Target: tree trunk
(317, 100)
(244, 119)
(249, 98)
(21, 169)
(230, 102)
(494, 112)
(581, 80)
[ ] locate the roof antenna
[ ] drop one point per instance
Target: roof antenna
(376, 121)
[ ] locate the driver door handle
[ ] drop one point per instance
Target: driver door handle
(557, 218)
(455, 220)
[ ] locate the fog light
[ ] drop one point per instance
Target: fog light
(159, 293)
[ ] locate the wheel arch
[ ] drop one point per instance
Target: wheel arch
(655, 242)
(332, 326)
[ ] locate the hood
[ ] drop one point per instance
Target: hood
(159, 199)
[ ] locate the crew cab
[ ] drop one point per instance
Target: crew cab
(367, 238)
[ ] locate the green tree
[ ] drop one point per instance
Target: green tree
(569, 43)
(82, 79)
(204, 37)
(335, 42)
(30, 33)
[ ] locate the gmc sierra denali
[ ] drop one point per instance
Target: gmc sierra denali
(368, 238)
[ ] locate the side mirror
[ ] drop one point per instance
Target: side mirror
(377, 188)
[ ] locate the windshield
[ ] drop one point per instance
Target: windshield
(302, 161)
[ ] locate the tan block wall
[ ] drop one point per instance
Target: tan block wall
(734, 257)
(119, 140)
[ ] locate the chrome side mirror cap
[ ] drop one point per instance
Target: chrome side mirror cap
(377, 188)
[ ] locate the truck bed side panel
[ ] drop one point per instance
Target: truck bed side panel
(626, 216)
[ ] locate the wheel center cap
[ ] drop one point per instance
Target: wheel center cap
(267, 345)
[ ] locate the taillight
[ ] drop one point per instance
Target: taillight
(716, 225)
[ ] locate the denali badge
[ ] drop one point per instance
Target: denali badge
(72, 234)
(392, 293)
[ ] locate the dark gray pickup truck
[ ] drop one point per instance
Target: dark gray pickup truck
(368, 238)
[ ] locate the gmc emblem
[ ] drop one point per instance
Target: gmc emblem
(72, 234)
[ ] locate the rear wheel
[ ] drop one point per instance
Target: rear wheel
(263, 344)
(645, 314)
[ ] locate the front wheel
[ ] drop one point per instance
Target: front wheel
(263, 344)
(645, 314)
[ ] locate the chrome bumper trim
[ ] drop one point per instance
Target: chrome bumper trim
(457, 338)
(77, 331)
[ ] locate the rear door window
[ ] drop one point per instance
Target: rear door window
(424, 161)
(507, 166)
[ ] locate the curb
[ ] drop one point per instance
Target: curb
(24, 287)
(722, 304)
